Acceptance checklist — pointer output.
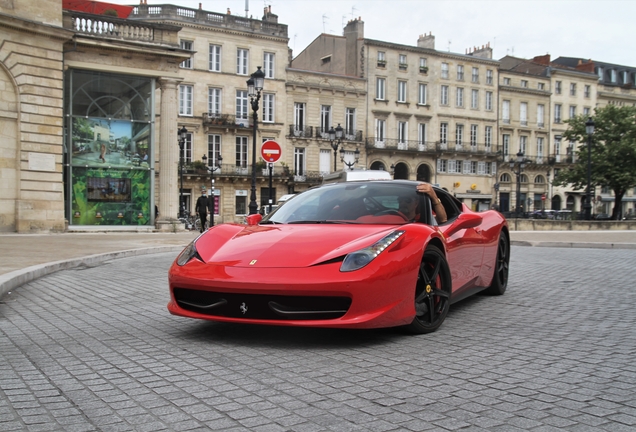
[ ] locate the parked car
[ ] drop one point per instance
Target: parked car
(343, 255)
(603, 216)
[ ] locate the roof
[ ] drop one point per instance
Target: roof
(97, 7)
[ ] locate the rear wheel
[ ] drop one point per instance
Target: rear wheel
(432, 292)
(500, 278)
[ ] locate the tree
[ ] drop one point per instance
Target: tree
(613, 150)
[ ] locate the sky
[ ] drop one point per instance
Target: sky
(602, 30)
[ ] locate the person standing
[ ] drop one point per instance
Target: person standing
(202, 206)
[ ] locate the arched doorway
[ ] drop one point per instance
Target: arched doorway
(569, 202)
(377, 165)
(556, 202)
(401, 171)
(424, 173)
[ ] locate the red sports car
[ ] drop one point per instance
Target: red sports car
(344, 255)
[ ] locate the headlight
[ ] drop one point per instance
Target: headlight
(188, 253)
(357, 260)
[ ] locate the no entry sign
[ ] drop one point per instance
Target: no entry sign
(270, 151)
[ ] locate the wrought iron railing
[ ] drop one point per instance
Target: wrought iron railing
(221, 120)
(301, 131)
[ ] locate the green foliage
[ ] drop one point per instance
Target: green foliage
(613, 151)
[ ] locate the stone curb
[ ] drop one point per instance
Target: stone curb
(14, 279)
(589, 245)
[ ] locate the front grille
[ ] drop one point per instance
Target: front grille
(262, 306)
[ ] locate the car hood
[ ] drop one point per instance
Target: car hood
(296, 245)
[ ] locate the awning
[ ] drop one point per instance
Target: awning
(612, 199)
(96, 7)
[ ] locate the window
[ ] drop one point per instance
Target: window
(421, 94)
(186, 45)
(185, 100)
(214, 61)
(459, 136)
(241, 202)
(488, 138)
(268, 64)
(299, 117)
(460, 73)
(402, 62)
(241, 152)
(421, 135)
(572, 111)
(572, 89)
(505, 112)
(557, 113)
(380, 87)
(586, 111)
(241, 107)
(540, 147)
(474, 99)
(460, 97)
(214, 149)
(612, 74)
(444, 70)
(557, 87)
(541, 86)
(242, 65)
(423, 67)
(523, 113)
(441, 165)
(506, 81)
(381, 59)
(624, 77)
(380, 130)
(403, 128)
(454, 166)
(506, 145)
(524, 83)
(214, 100)
(488, 101)
(557, 148)
(599, 71)
(473, 137)
(299, 161)
(587, 91)
(401, 96)
(443, 134)
(268, 108)
(540, 115)
(489, 76)
(325, 117)
(443, 100)
(350, 121)
(187, 149)
(505, 178)
(475, 75)
(523, 141)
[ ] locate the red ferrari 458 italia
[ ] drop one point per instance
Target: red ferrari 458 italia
(344, 254)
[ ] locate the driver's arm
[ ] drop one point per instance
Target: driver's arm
(438, 208)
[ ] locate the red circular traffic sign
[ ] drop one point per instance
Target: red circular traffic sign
(270, 151)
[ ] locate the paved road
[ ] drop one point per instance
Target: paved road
(94, 349)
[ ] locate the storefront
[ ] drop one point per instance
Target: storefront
(109, 149)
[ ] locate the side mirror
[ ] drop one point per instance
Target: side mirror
(467, 220)
(254, 219)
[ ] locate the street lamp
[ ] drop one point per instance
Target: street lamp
(254, 87)
(182, 134)
(349, 165)
(589, 129)
(335, 138)
(216, 165)
(520, 163)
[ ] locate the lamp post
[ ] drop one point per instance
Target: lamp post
(335, 138)
(182, 134)
(520, 164)
(349, 165)
(215, 166)
(254, 87)
(589, 129)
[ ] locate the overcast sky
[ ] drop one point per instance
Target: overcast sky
(602, 30)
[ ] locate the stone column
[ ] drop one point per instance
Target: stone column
(168, 201)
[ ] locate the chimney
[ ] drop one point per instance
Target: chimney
(587, 66)
(269, 16)
(484, 52)
(354, 26)
(426, 41)
(542, 60)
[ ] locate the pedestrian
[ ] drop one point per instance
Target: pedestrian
(202, 208)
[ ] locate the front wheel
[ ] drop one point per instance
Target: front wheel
(432, 292)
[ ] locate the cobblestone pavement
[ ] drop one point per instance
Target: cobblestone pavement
(94, 349)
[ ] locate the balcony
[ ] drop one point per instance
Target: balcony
(414, 146)
(298, 131)
(352, 135)
(222, 120)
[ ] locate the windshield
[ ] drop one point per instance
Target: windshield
(359, 203)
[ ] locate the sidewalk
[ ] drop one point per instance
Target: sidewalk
(25, 257)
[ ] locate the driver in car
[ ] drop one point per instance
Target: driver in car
(409, 205)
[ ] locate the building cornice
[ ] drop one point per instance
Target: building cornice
(36, 28)
(524, 90)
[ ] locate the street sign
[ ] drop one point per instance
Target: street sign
(543, 197)
(270, 151)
